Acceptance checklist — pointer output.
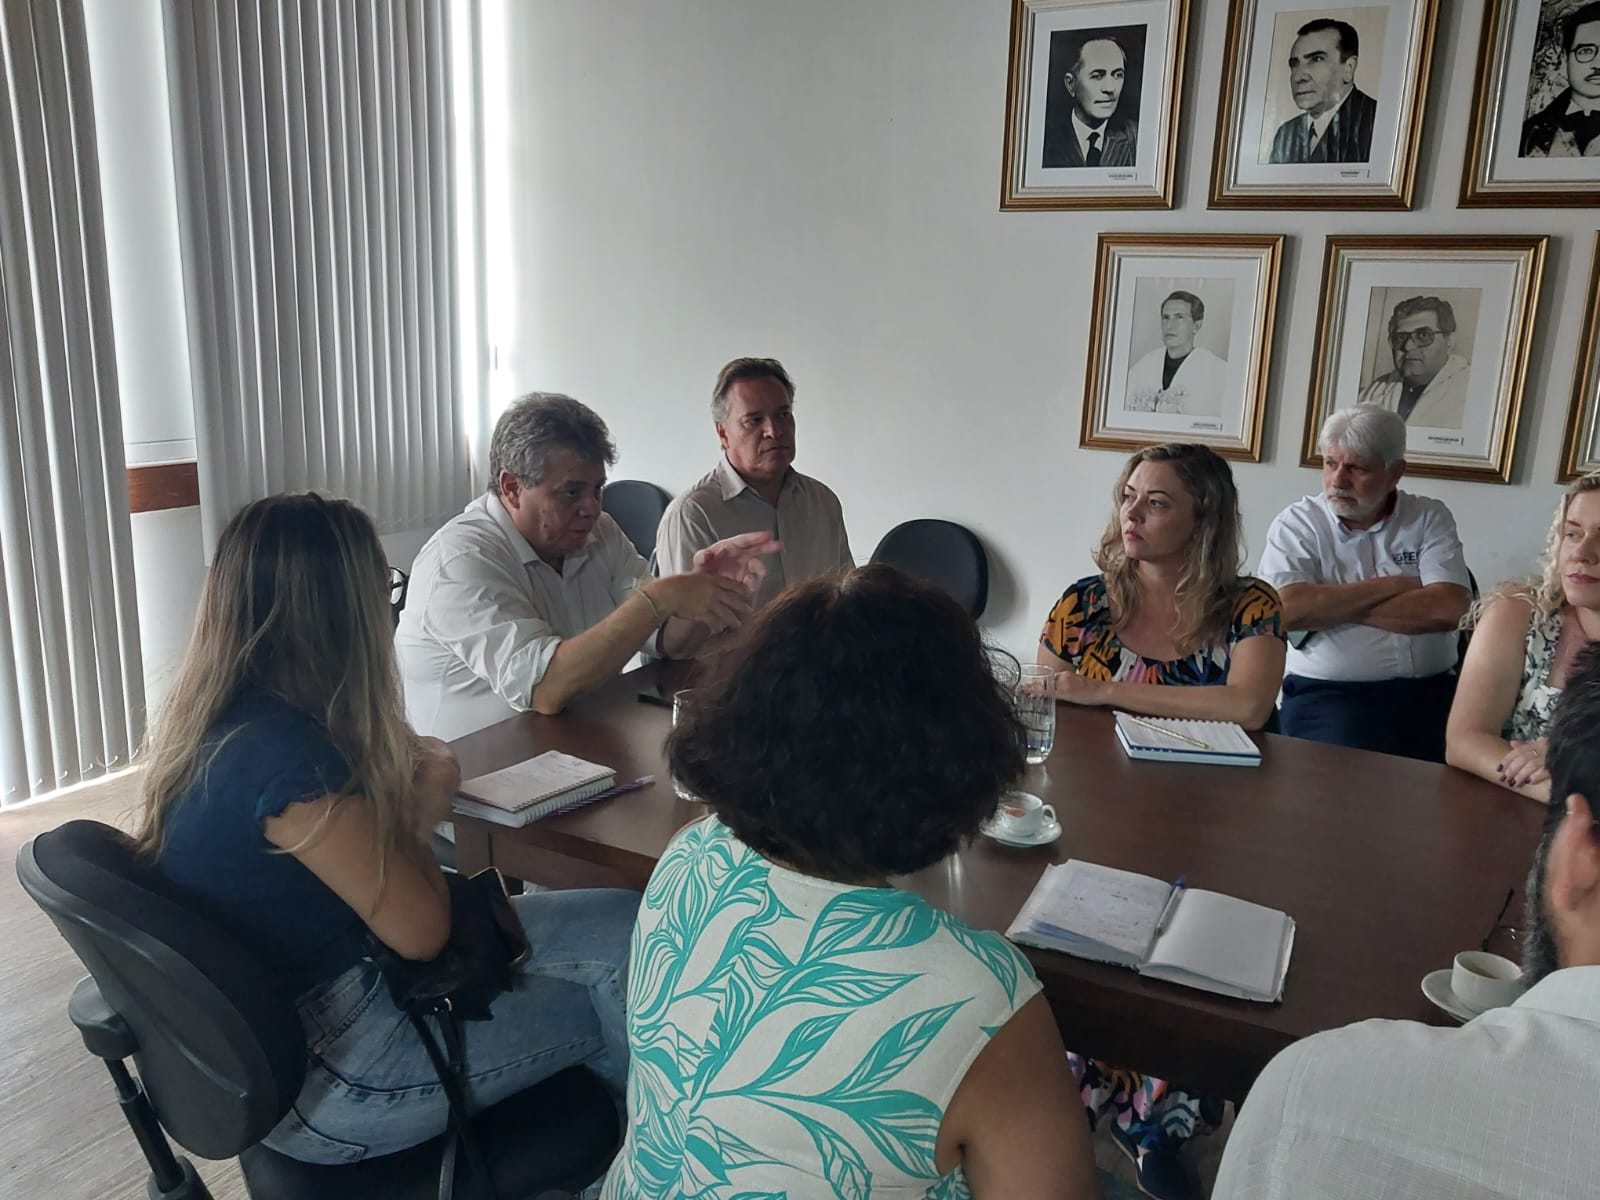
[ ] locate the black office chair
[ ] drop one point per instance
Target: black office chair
(942, 553)
(221, 1056)
(637, 507)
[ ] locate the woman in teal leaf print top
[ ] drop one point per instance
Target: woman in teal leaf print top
(797, 1026)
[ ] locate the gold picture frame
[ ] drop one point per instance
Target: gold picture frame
(1510, 160)
(1580, 445)
(1132, 135)
(1274, 152)
(1213, 296)
(1437, 329)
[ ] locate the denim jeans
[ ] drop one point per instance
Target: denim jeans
(370, 1087)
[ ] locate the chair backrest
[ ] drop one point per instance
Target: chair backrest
(221, 1052)
(942, 553)
(637, 507)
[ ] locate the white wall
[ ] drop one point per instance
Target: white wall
(819, 181)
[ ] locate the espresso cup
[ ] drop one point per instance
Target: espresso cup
(1022, 814)
(1483, 981)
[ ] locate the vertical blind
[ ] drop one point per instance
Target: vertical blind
(316, 203)
(71, 682)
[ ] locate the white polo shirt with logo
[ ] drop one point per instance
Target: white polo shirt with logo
(1307, 543)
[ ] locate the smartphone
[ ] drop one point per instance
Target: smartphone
(656, 695)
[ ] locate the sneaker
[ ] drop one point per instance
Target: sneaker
(1161, 1175)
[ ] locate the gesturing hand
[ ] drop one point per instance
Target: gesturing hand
(714, 600)
(738, 558)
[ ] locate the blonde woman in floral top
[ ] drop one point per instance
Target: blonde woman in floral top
(1526, 637)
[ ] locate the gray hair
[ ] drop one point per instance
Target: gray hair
(739, 370)
(1368, 431)
(534, 425)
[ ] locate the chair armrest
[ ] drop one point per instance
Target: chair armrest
(105, 1033)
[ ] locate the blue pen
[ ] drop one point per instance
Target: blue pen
(1172, 902)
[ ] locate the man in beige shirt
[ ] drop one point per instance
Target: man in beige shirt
(755, 488)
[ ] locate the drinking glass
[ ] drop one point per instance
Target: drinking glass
(680, 704)
(1036, 709)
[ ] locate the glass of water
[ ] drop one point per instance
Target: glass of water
(1036, 709)
(680, 703)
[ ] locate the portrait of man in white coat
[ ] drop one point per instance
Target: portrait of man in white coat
(1178, 376)
(1428, 386)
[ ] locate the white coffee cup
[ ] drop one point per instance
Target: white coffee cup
(1022, 814)
(1483, 981)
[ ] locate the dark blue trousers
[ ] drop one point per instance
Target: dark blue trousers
(1392, 716)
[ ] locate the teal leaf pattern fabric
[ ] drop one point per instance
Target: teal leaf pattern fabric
(796, 1037)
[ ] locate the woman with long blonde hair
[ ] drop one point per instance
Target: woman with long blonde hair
(1170, 605)
(285, 797)
(1169, 608)
(1526, 635)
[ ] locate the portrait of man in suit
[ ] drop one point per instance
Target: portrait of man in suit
(1569, 125)
(1336, 118)
(1095, 122)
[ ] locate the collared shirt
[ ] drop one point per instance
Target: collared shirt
(1307, 543)
(1082, 130)
(1501, 1107)
(484, 615)
(1319, 125)
(1442, 404)
(808, 521)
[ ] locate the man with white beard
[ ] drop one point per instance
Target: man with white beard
(1374, 586)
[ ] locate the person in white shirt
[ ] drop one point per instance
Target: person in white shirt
(1428, 386)
(533, 595)
(754, 487)
(1178, 376)
(1502, 1107)
(1374, 586)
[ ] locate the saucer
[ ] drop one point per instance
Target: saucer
(1436, 987)
(1049, 833)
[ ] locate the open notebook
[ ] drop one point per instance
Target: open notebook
(1209, 941)
(532, 788)
(1170, 739)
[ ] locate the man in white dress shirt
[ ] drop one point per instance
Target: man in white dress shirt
(1428, 386)
(754, 487)
(1178, 376)
(1502, 1107)
(533, 595)
(1373, 585)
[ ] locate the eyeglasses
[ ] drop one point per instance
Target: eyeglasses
(1511, 930)
(1422, 338)
(1584, 51)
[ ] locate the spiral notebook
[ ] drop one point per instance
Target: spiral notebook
(1183, 935)
(533, 788)
(1169, 739)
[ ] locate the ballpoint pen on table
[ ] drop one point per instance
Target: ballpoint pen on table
(1172, 902)
(1172, 733)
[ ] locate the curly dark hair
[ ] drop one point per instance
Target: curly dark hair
(856, 729)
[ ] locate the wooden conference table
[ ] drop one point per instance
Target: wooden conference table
(1388, 866)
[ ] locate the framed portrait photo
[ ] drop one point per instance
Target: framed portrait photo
(1092, 103)
(1436, 329)
(1534, 138)
(1322, 103)
(1580, 450)
(1179, 341)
